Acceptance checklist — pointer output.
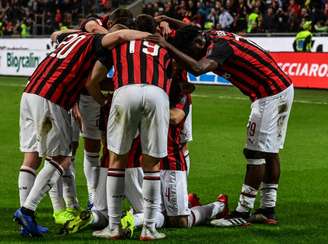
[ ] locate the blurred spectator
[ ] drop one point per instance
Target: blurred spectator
(269, 24)
(225, 19)
(41, 17)
(247, 15)
(45, 16)
(253, 21)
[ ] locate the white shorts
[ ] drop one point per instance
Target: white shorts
(90, 111)
(139, 106)
(267, 125)
(174, 192)
(186, 133)
(75, 129)
(133, 188)
(45, 127)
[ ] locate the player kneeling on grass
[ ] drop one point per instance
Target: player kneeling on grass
(257, 75)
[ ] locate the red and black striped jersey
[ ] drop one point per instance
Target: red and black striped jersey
(61, 76)
(175, 159)
(101, 20)
(141, 62)
(246, 65)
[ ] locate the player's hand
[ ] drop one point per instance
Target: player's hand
(77, 115)
(165, 29)
(158, 39)
(160, 18)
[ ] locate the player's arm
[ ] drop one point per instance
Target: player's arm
(196, 67)
(175, 23)
(176, 116)
(98, 74)
(110, 40)
(92, 26)
(54, 36)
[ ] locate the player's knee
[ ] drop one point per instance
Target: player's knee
(178, 221)
(31, 160)
(91, 145)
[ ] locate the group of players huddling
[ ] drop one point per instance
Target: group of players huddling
(142, 116)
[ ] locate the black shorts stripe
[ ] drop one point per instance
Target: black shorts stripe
(28, 171)
(56, 165)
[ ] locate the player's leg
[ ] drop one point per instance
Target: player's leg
(53, 123)
(69, 177)
(63, 194)
(27, 174)
(29, 146)
(90, 111)
(266, 133)
(153, 132)
(175, 197)
(269, 186)
(122, 127)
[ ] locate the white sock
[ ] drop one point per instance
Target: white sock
(91, 171)
(151, 188)
(69, 188)
(139, 220)
(47, 177)
(246, 199)
(26, 180)
(200, 214)
(56, 195)
(100, 200)
(268, 195)
(187, 158)
(115, 196)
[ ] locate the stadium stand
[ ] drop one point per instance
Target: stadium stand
(250, 16)
(41, 17)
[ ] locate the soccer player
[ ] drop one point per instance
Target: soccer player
(257, 75)
(51, 91)
(140, 100)
(90, 109)
(177, 211)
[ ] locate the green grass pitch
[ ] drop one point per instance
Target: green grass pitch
(219, 128)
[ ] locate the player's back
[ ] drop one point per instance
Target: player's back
(141, 62)
(63, 73)
(248, 66)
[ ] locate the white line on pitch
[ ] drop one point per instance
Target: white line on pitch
(246, 98)
(198, 95)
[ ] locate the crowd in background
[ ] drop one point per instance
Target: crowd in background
(26, 17)
(250, 16)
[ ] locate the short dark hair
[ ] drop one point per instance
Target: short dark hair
(121, 16)
(185, 36)
(145, 22)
